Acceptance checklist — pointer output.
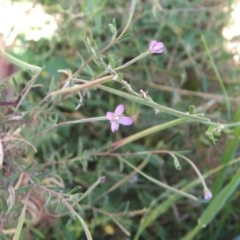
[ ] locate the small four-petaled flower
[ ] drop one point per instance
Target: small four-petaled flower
(156, 47)
(117, 118)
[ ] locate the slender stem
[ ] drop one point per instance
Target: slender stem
(100, 180)
(94, 119)
(155, 105)
(133, 60)
(78, 87)
(27, 89)
(160, 183)
(194, 167)
(18, 62)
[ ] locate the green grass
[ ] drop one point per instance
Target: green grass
(55, 156)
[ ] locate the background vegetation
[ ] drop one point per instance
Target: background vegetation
(78, 180)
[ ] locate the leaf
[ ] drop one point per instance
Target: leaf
(22, 189)
(3, 86)
(35, 180)
(11, 198)
(59, 206)
(113, 29)
(111, 61)
(230, 151)
(74, 190)
(125, 37)
(38, 233)
(28, 167)
(13, 178)
(20, 224)
(120, 76)
(48, 199)
(4, 205)
(52, 85)
(15, 85)
(42, 175)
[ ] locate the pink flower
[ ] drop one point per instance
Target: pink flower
(207, 194)
(156, 47)
(117, 118)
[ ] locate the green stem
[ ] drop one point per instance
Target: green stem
(160, 183)
(94, 119)
(100, 180)
(155, 105)
(19, 63)
(133, 60)
(194, 167)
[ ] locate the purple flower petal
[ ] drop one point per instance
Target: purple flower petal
(125, 120)
(109, 115)
(117, 118)
(153, 43)
(208, 195)
(156, 47)
(119, 109)
(114, 126)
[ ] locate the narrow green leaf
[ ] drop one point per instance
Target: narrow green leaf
(111, 61)
(38, 233)
(41, 175)
(148, 132)
(90, 189)
(113, 29)
(28, 167)
(48, 199)
(15, 85)
(20, 224)
(22, 189)
(11, 197)
(52, 85)
(3, 86)
(35, 180)
(74, 190)
(3, 96)
(4, 205)
(120, 76)
(228, 153)
(59, 206)
(125, 37)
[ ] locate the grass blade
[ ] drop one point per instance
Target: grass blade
(20, 224)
